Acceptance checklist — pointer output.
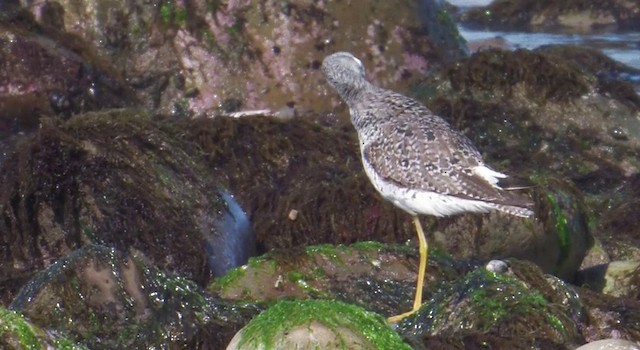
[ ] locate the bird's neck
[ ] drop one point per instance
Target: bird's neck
(365, 123)
(364, 116)
(350, 92)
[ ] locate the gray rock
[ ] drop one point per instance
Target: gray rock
(610, 344)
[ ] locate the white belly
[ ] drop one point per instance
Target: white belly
(425, 202)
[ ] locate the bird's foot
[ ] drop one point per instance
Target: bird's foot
(398, 318)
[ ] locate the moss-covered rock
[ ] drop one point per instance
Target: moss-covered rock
(19, 333)
(377, 277)
(517, 308)
(316, 324)
(518, 304)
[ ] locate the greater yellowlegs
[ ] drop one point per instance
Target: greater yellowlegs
(414, 158)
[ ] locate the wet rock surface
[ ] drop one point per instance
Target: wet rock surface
(114, 296)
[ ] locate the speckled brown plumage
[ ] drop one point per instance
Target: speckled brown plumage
(414, 158)
(406, 148)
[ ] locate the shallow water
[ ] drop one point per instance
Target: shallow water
(469, 3)
(622, 47)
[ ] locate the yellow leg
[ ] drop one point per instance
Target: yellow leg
(423, 248)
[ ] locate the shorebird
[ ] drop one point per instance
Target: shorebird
(415, 159)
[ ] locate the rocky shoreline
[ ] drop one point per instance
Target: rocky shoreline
(128, 194)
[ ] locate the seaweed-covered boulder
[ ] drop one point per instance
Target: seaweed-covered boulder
(301, 182)
(115, 178)
(517, 306)
(310, 188)
(615, 80)
(379, 278)
(99, 297)
(619, 222)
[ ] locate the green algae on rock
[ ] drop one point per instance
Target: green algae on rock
(314, 324)
(564, 214)
(376, 277)
(18, 333)
(515, 304)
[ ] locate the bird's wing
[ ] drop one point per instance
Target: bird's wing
(423, 152)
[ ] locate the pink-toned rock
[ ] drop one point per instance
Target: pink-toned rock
(259, 54)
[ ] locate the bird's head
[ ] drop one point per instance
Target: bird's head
(344, 72)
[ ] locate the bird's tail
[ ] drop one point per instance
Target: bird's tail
(514, 210)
